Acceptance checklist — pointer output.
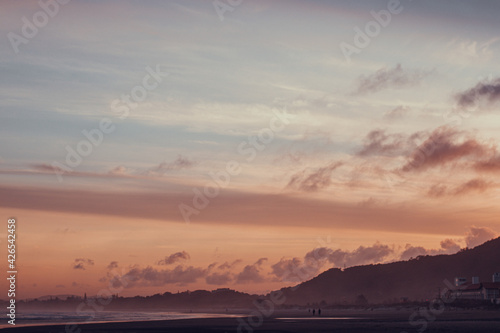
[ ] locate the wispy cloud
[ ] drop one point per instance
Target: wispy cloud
(312, 181)
(473, 185)
(378, 142)
(398, 112)
(180, 163)
(390, 78)
(476, 185)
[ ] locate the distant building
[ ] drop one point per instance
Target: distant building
(460, 281)
(491, 291)
(477, 290)
(221, 290)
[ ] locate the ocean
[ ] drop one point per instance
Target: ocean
(70, 317)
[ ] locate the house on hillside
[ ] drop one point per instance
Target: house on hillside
(477, 290)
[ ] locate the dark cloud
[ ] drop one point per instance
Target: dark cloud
(474, 237)
(474, 185)
(219, 278)
(113, 264)
(173, 258)
(297, 269)
(361, 256)
(384, 78)
(288, 270)
(484, 92)
(228, 265)
(302, 269)
(82, 263)
(150, 276)
(413, 252)
(277, 209)
(478, 235)
(252, 273)
(491, 165)
(378, 142)
(445, 145)
(448, 246)
(315, 180)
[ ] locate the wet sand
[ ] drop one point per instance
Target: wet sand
(362, 322)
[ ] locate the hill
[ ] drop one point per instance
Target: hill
(199, 299)
(417, 279)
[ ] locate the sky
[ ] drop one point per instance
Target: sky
(191, 145)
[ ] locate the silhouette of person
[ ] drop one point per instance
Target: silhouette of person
(314, 311)
(319, 312)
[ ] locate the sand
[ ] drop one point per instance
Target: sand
(369, 321)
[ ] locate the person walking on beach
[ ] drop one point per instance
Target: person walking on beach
(319, 312)
(314, 311)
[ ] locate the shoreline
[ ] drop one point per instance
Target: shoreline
(455, 321)
(195, 315)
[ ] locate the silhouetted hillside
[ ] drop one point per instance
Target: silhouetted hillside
(416, 279)
(188, 300)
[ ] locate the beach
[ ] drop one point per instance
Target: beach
(344, 321)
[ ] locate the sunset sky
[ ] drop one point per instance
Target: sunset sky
(189, 145)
